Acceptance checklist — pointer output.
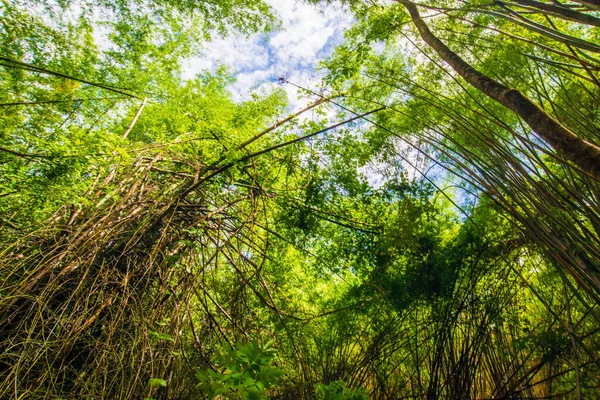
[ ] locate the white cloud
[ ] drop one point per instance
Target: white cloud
(308, 34)
(239, 52)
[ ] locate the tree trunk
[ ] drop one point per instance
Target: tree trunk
(580, 152)
(591, 4)
(561, 11)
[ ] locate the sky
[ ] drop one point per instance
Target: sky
(309, 33)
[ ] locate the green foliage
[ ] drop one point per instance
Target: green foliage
(246, 372)
(339, 391)
(155, 382)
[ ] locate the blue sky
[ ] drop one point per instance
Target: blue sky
(308, 34)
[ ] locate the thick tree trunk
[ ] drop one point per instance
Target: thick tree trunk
(580, 152)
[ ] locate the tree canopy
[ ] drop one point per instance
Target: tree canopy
(428, 226)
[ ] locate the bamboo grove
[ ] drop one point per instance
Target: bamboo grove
(428, 226)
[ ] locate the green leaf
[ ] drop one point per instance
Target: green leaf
(254, 393)
(161, 336)
(155, 382)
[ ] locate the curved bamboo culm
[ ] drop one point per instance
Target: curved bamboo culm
(579, 151)
(81, 298)
(574, 250)
(553, 202)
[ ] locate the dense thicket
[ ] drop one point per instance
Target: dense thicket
(159, 240)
